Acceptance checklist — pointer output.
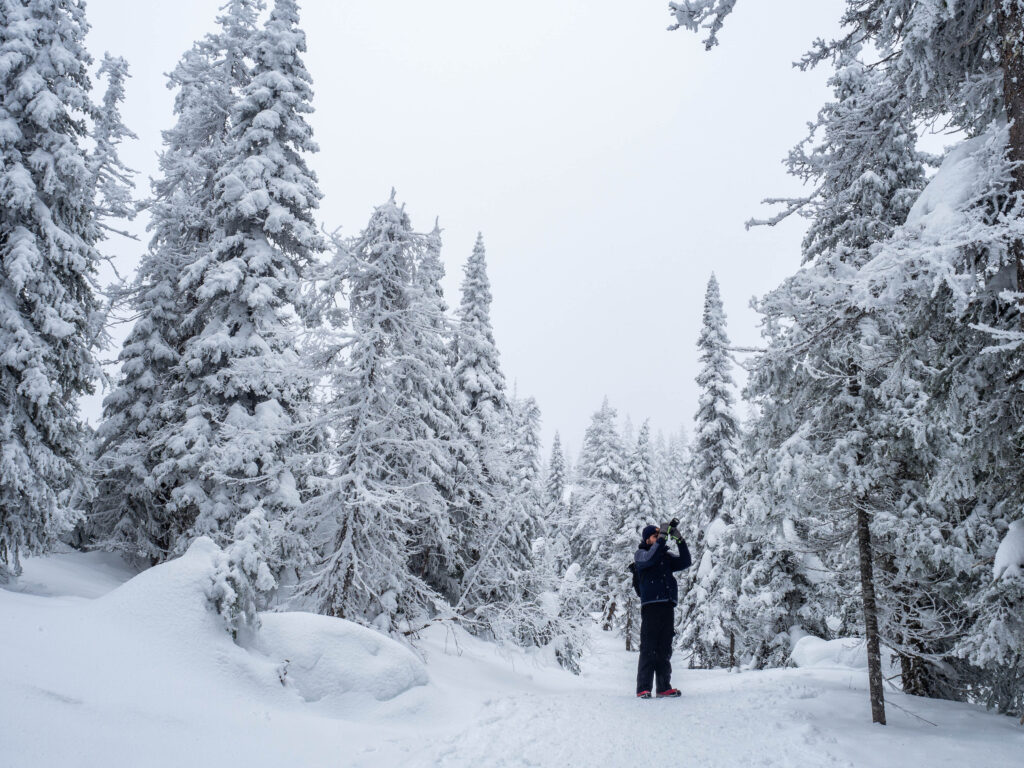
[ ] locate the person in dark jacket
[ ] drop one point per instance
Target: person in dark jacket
(659, 593)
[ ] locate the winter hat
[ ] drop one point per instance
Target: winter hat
(649, 531)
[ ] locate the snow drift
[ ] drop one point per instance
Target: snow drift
(325, 659)
(841, 653)
(156, 637)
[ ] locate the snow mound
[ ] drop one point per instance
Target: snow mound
(1009, 562)
(171, 598)
(160, 624)
(324, 658)
(846, 652)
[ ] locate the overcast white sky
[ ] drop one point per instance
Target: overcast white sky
(609, 163)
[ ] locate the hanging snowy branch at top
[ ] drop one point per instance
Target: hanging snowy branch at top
(695, 15)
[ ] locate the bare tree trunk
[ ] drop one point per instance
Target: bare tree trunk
(609, 615)
(1010, 21)
(732, 651)
(867, 586)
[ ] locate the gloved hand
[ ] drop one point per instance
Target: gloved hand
(673, 529)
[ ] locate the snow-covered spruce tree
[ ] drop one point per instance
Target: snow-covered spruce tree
(557, 525)
(600, 477)
(638, 509)
(437, 559)
(954, 282)
(49, 314)
(568, 603)
(836, 401)
(134, 467)
(965, 60)
(113, 181)
(853, 204)
(114, 204)
(530, 614)
(660, 471)
(239, 375)
(573, 598)
(365, 512)
(677, 484)
(960, 63)
(492, 547)
(524, 466)
(715, 472)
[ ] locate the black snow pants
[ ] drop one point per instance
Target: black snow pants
(657, 627)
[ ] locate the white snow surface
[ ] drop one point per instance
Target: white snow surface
(1009, 562)
(146, 676)
(716, 528)
(941, 203)
(842, 653)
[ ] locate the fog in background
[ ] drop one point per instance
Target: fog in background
(610, 165)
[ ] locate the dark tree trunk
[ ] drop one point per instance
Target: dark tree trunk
(732, 651)
(916, 676)
(609, 615)
(867, 586)
(1010, 20)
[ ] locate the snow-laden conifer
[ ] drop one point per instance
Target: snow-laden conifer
(525, 463)
(673, 484)
(557, 524)
(638, 508)
(716, 473)
(143, 423)
(113, 181)
(892, 379)
(239, 375)
(367, 509)
(49, 313)
(600, 479)
(527, 612)
(431, 391)
(492, 545)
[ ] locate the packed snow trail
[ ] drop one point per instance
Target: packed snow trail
(84, 684)
(774, 718)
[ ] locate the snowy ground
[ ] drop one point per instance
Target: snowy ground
(141, 675)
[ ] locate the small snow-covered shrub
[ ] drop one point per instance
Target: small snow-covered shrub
(242, 577)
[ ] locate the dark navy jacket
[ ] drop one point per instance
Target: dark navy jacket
(655, 567)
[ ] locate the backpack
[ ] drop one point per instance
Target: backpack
(636, 578)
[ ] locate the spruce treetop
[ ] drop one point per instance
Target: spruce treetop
(477, 368)
(475, 307)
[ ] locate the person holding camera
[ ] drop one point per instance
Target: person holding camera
(659, 593)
